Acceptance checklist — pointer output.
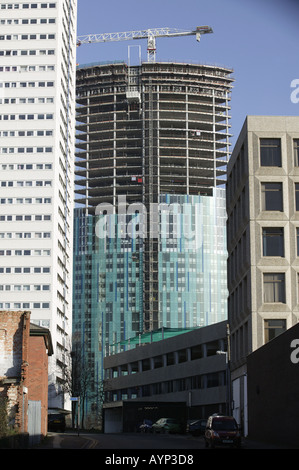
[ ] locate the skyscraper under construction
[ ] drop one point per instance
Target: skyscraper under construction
(152, 149)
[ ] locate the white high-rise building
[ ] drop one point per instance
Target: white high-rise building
(37, 119)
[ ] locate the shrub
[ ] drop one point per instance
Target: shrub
(3, 417)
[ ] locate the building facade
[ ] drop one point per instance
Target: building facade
(152, 149)
(262, 236)
(24, 352)
(167, 367)
(37, 95)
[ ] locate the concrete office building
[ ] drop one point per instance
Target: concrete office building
(152, 149)
(37, 96)
(263, 241)
(166, 373)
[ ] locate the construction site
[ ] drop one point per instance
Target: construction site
(160, 128)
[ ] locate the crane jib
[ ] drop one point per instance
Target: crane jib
(154, 32)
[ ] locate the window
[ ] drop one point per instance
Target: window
(296, 152)
(297, 196)
(272, 197)
(270, 152)
(273, 241)
(274, 287)
(170, 359)
(274, 328)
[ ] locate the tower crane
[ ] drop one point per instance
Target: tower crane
(151, 35)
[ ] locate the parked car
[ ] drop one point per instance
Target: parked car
(146, 426)
(196, 427)
(56, 422)
(169, 425)
(222, 430)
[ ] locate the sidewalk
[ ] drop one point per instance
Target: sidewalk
(251, 444)
(73, 441)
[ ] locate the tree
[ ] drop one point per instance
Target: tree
(86, 386)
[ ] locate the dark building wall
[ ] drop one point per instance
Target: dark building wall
(273, 390)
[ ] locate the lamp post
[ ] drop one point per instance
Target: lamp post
(228, 411)
(227, 361)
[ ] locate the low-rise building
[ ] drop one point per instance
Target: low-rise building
(24, 351)
(181, 376)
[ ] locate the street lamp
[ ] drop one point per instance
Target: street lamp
(228, 410)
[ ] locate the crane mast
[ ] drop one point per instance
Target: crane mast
(149, 34)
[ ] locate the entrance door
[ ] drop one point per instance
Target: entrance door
(34, 422)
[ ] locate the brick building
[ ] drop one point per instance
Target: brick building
(40, 347)
(24, 351)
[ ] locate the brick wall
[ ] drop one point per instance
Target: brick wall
(38, 377)
(14, 344)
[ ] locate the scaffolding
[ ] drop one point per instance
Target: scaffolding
(179, 111)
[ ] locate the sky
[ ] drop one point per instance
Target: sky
(258, 39)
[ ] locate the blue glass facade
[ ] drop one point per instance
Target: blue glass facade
(192, 266)
(108, 280)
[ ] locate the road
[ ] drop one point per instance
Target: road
(134, 441)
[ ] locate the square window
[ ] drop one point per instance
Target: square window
(274, 287)
(296, 152)
(272, 197)
(270, 152)
(297, 196)
(274, 328)
(273, 241)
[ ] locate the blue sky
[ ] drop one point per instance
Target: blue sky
(258, 39)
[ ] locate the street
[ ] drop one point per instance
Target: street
(136, 442)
